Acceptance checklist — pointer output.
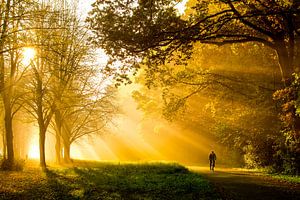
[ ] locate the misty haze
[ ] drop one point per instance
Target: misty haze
(150, 99)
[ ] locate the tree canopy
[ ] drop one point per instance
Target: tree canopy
(131, 29)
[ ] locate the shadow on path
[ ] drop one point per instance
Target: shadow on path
(243, 185)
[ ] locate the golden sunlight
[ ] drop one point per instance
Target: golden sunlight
(27, 55)
(34, 152)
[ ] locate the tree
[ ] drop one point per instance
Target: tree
(40, 99)
(85, 112)
(126, 28)
(12, 23)
(234, 107)
(67, 58)
(150, 32)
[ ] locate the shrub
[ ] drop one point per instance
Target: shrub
(17, 165)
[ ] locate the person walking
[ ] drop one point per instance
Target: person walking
(212, 160)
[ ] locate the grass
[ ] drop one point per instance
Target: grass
(280, 177)
(287, 178)
(94, 180)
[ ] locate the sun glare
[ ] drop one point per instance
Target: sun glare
(181, 6)
(102, 57)
(28, 54)
(34, 151)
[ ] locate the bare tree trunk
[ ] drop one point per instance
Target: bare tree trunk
(67, 150)
(285, 63)
(40, 114)
(297, 55)
(9, 135)
(4, 145)
(6, 93)
(58, 147)
(42, 140)
(6, 102)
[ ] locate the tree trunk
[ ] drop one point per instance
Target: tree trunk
(297, 56)
(42, 135)
(8, 131)
(4, 146)
(5, 93)
(42, 128)
(58, 148)
(41, 119)
(285, 64)
(67, 150)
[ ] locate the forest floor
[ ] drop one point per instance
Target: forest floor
(241, 184)
(96, 180)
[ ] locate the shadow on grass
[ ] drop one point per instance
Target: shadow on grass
(60, 186)
(53, 186)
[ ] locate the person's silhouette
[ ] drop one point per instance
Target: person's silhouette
(212, 160)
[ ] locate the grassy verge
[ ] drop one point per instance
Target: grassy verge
(281, 177)
(287, 178)
(106, 181)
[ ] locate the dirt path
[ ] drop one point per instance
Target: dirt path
(237, 184)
